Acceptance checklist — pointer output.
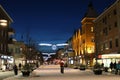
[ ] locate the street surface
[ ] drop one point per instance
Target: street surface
(6, 74)
(52, 72)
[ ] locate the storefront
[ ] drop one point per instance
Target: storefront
(6, 60)
(108, 58)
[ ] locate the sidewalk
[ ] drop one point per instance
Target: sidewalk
(52, 72)
(33, 74)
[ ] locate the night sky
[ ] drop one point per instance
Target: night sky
(49, 21)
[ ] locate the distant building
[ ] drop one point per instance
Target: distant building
(107, 35)
(16, 50)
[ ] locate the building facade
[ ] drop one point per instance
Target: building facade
(16, 50)
(107, 35)
(5, 33)
(83, 39)
(87, 36)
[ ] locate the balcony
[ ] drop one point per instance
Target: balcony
(11, 31)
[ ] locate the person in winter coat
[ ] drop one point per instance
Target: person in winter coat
(15, 68)
(62, 66)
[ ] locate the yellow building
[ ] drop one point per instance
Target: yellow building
(83, 40)
(76, 46)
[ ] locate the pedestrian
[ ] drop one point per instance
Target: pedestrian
(62, 66)
(15, 68)
(114, 65)
(111, 65)
(20, 66)
(102, 65)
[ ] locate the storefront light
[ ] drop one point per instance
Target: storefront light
(110, 56)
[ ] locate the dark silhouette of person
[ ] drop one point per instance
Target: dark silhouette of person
(102, 65)
(15, 68)
(20, 66)
(114, 65)
(62, 66)
(111, 65)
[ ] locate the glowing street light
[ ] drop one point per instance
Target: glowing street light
(54, 46)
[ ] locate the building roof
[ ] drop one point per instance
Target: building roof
(106, 10)
(91, 12)
(5, 14)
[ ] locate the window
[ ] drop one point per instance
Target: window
(102, 47)
(106, 46)
(109, 16)
(83, 40)
(114, 12)
(116, 43)
(110, 44)
(115, 24)
(5, 48)
(109, 27)
(92, 39)
(104, 20)
(2, 33)
(17, 50)
(10, 50)
(1, 46)
(105, 31)
(92, 29)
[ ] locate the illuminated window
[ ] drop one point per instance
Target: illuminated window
(92, 29)
(3, 23)
(92, 39)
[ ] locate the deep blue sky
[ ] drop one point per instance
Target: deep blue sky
(49, 21)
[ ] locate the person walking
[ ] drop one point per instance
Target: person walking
(111, 66)
(15, 68)
(62, 66)
(20, 66)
